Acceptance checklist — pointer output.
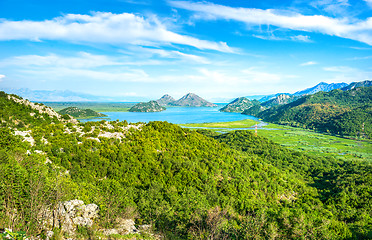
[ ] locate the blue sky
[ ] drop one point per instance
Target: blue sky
(216, 49)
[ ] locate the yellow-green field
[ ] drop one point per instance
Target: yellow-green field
(301, 139)
(247, 123)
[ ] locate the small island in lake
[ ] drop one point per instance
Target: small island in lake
(80, 113)
(152, 106)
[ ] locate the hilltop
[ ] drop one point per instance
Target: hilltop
(151, 106)
(239, 105)
(322, 86)
(192, 100)
(80, 113)
(166, 100)
(366, 83)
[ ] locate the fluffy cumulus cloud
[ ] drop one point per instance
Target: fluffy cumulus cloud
(359, 30)
(1, 77)
(103, 27)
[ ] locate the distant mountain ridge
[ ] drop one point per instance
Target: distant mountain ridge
(67, 96)
(366, 83)
(322, 86)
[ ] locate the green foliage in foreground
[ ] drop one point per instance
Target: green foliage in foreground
(188, 185)
(347, 113)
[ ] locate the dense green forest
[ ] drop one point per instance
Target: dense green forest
(347, 113)
(186, 184)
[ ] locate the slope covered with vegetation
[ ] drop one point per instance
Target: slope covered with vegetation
(186, 184)
(239, 105)
(80, 113)
(339, 112)
(151, 106)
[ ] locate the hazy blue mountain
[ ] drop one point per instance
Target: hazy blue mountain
(66, 96)
(325, 87)
(366, 83)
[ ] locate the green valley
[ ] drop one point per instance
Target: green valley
(177, 183)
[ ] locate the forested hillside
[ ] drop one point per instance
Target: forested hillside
(80, 113)
(185, 184)
(347, 113)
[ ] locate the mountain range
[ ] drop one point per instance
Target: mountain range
(189, 100)
(70, 96)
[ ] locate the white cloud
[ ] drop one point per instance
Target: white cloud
(296, 38)
(84, 60)
(369, 3)
(176, 54)
(103, 27)
(334, 7)
(308, 63)
(1, 77)
(359, 30)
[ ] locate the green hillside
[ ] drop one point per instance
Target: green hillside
(151, 106)
(80, 113)
(187, 185)
(340, 112)
(239, 105)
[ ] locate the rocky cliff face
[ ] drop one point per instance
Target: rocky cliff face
(192, 100)
(68, 215)
(238, 105)
(279, 100)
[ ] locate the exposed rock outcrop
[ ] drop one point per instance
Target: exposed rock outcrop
(69, 215)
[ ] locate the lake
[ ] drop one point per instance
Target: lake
(177, 115)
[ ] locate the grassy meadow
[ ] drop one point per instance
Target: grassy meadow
(300, 139)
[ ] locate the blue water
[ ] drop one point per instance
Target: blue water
(177, 115)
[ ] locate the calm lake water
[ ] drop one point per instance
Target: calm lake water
(177, 115)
